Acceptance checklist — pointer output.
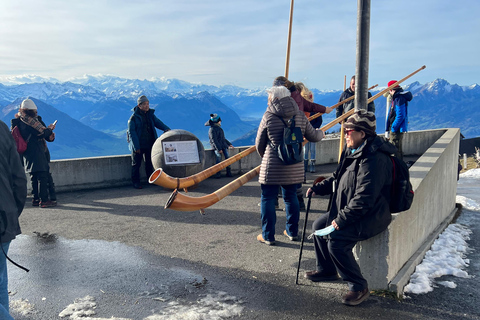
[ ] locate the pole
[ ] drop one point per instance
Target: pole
(342, 129)
(363, 39)
(303, 236)
(289, 40)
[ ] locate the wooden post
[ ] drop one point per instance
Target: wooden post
(289, 40)
(342, 129)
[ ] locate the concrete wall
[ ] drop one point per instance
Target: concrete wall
(389, 259)
(386, 260)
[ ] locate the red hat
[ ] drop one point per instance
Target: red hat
(392, 82)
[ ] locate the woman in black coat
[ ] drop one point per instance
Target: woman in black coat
(36, 157)
(359, 208)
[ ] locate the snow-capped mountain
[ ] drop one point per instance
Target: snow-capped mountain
(104, 103)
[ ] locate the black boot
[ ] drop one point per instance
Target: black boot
(229, 172)
(312, 166)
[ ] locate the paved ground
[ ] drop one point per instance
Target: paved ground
(137, 259)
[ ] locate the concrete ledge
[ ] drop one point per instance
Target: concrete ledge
(403, 276)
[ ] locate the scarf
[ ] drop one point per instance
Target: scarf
(33, 122)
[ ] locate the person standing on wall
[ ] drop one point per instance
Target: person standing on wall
(141, 137)
(273, 172)
(218, 142)
(359, 208)
(37, 156)
(13, 192)
(397, 122)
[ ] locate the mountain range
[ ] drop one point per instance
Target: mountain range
(92, 111)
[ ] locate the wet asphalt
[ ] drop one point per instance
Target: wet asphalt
(137, 259)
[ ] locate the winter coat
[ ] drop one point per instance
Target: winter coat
(398, 116)
(344, 108)
(136, 125)
(305, 105)
(37, 155)
(13, 186)
(272, 170)
(361, 188)
(217, 136)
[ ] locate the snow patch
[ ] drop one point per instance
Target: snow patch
(22, 306)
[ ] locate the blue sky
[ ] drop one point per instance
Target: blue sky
(238, 42)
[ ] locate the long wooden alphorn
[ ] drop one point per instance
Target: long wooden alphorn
(159, 177)
(181, 202)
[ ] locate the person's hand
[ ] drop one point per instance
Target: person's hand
(310, 191)
(220, 151)
(137, 151)
(51, 126)
(328, 110)
(52, 137)
(335, 225)
(231, 147)
(318, 129)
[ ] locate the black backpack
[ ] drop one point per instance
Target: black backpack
(402, 191)
(290, 150)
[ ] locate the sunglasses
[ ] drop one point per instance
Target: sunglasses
(348, 132)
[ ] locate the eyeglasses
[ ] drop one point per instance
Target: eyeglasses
(349, 132)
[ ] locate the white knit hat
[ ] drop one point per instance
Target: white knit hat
(28, 104)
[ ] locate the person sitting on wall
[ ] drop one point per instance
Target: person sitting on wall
(359, 208)
(142, 135)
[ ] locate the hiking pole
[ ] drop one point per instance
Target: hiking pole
(303, 234)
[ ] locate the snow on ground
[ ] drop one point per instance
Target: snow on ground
(213, 306)
(448, 254)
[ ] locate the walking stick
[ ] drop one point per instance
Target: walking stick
(303, 235)
(289, 40)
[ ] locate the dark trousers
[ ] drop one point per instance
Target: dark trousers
(334, 255)
(396, 138)
(146, 155)
(40, 178)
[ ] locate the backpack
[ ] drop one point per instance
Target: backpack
(402, 191)
(290, 150)
(21, 143)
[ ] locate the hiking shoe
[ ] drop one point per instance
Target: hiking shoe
(35, 202)
(353, 298)
(290, 237)
(54, 203)
(260, 238)
(47, 204)
(319, 276)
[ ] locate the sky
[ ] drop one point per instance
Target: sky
(240, 43)
(449, 253)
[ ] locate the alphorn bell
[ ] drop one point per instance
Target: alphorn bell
(181, 202)
(161, 178)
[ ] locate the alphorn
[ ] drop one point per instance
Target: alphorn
(181, 202)
(160, 178)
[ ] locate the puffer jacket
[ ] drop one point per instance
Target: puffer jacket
(13, 186)
(37, 155)
(361, 188)
(273, 171)
(217, 136)
(398, 116)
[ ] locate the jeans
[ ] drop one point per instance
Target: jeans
(4, 307)
(336, 255)
(268, 214)
(146, 155)
(309, 147)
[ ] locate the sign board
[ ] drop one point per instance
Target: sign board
(180, 152)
